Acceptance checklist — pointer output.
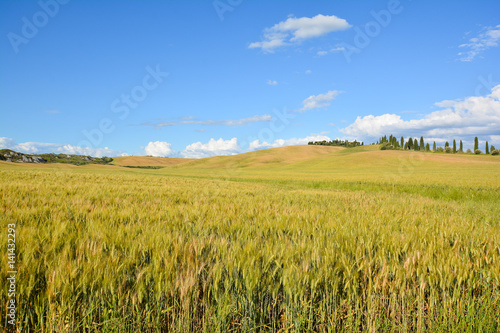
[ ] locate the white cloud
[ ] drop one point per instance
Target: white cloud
(42, 147)
(472, 116)
(193, 121)
(295, 30)
(159, 149)
(212, 148)
(257, 144)
(272, 83)
(319, 101)
(77, 150)
(333, 50)
(52, 111)
(308, 71)
(490, 37)
(7, 143)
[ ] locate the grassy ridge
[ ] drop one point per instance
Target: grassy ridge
(308, 246)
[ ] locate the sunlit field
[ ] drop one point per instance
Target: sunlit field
(294, 239)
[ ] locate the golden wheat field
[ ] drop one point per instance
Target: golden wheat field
(294, 239)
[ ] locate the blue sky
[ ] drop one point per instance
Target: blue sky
(204, 78)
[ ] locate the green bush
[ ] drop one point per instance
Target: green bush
(386, 146)
(478, 151)
(495, 152)
(448, 149)
(439, 149)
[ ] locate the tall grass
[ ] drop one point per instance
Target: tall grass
(104, 249)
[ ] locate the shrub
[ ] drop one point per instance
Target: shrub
(439, 149)
(448, 149)
(478, 151)
(495, 152)
(469, 151)
(386, 146)
(106, 159)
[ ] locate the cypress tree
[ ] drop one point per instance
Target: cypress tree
(422, 146)
(410, 143)
(461, 147)
(454, 146)
(476, 144)
(434, 146)
(446, 144)
(402, 141)
(427, 147)
(415, 144)
(487, 149)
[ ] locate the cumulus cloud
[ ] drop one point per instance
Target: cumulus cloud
(159, 149)
(212, 148)
(295, 30)
(472, 116)
(490, 37)
(319, 101)
(42, 147)
(194, 121)
(77, 150)
(257, 144)
(272, 82)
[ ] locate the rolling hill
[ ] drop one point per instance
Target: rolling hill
(137, 161)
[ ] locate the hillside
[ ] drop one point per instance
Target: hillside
(264, 158)
(365, 164)
(9, 155)
(142, 161)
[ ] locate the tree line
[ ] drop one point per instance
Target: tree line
(336, 142)
(392, 142)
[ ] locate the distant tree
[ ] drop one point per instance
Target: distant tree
(446, 144)
(448, 149)
(461, 147)
(454, 146)
(477, 152)
(492, 148)
(406, 145)
(410, 143)
(422, 146)
(427, 147)
(487, 150)
(415, 144)
(434, 146)
(469, 151)
(402, 142)
(476, 144)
